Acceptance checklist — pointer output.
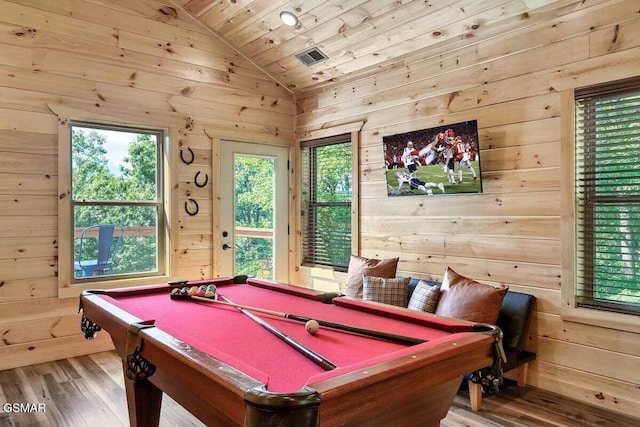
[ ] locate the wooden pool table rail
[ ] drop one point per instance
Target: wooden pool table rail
(417, 388)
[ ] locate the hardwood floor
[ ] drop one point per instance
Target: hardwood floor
(89, 391)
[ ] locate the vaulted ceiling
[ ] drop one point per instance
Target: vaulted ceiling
(360, 37)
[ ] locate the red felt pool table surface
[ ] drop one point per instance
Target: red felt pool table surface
(226, 335)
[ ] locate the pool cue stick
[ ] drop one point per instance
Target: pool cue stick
(402, 339)
(318, 359)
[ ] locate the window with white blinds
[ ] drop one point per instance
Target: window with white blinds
(608, 196)
(326, 172)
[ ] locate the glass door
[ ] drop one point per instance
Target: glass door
(254, 210)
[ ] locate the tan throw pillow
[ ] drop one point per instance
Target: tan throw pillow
(466, 299)
(388, 291)
(360, 267)
(424, 297)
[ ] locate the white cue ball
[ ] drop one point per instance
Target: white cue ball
(312, 326)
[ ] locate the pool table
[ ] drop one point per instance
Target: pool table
(227, 370)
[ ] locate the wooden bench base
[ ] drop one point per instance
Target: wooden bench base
(475, 390)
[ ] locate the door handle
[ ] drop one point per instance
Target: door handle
(226, 247)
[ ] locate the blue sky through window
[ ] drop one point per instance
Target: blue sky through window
(117, 146)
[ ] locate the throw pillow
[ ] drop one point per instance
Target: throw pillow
(466, 299)
(360, 267)
(424, 297)
(389, 291)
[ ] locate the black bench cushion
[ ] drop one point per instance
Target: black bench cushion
(515, 318)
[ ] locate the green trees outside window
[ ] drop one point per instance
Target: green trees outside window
(254, 216)
(116, 180)
(326, 202)
(608, 196)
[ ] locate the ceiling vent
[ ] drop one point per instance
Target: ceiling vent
(311, 56)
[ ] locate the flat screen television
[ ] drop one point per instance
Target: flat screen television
(439, 160)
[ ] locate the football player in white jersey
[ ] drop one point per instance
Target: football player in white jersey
(415, 183)
(411, 159)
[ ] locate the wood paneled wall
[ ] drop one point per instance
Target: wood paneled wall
(128, 62)
(511, 233)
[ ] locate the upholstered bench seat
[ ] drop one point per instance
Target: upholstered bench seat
(456, 297)
(514, 320)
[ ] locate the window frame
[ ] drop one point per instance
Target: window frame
(355, 199)
(569, 309)
(68, 286)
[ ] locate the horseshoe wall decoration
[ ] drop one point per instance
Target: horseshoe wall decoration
(195, 180)
(187, 162)
(186, 207)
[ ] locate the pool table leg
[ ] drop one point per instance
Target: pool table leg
(144, 400)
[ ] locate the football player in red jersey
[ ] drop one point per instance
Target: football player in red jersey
(431, 150)
(449, 163)
(450, 136)
(462, 156)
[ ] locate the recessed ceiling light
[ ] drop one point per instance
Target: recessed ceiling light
(288, 18)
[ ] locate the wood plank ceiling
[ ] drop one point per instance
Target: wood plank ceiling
(360, 37)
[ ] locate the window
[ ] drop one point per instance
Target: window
(326, 201)
(607, 190)
(116, 202)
